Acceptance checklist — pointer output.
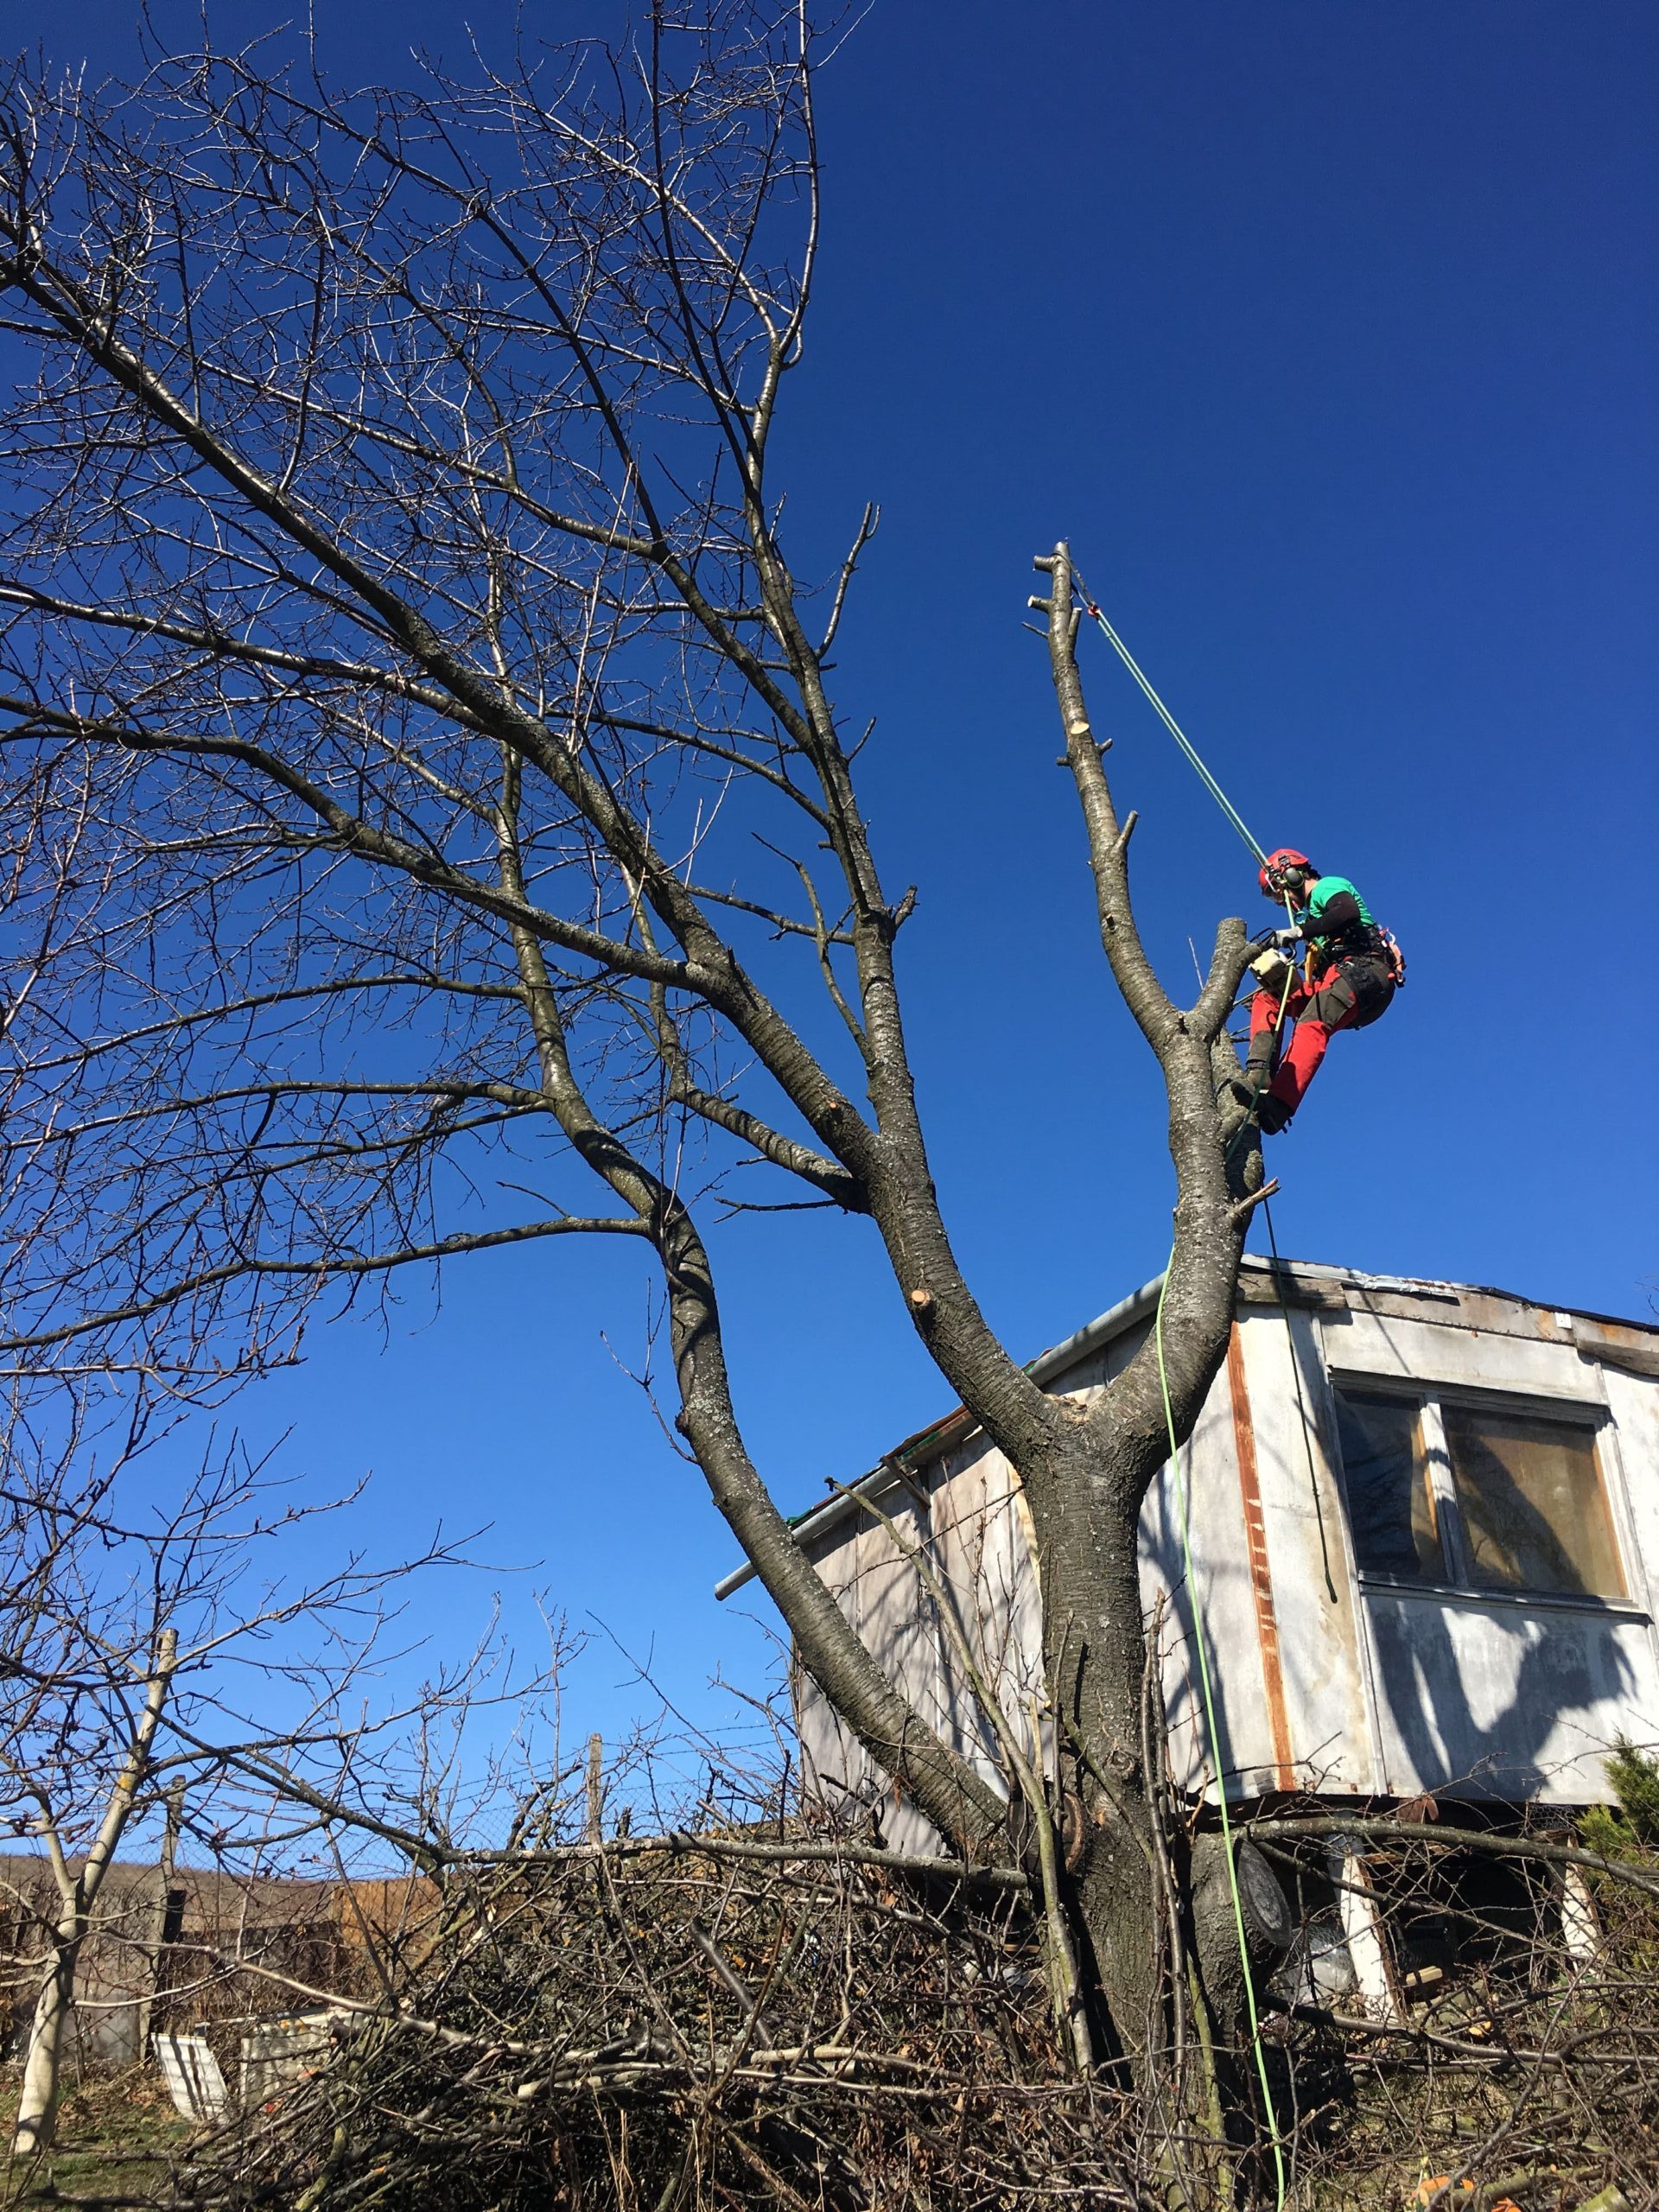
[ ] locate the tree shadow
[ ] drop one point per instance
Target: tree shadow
(1469, 1718)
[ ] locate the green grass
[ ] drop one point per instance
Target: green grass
(116, 2134)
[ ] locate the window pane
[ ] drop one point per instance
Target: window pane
(1534, 1512)
(1390, 1506)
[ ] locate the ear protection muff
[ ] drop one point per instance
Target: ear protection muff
(1284, 873)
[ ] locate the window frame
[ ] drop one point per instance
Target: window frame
(1457, 1581)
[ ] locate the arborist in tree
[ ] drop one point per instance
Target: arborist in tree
(1350, 974)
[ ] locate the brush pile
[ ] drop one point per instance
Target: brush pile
(721, 2021)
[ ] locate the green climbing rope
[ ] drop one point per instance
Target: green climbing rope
(1214, 1732)
(1188, 749)
(1190, 752)
(1211, 1727)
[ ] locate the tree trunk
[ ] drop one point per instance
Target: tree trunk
(1085, 1510)
(1118, 1904)
(1142, 1938)
(1145, 1904)
(37, 2103)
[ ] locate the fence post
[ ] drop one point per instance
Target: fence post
(162, 1928)
(595, 1788)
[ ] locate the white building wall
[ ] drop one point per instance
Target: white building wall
(878, 1591)
(1220, 1551)
(1314, 1594)
(1513, 1697)
(1322, 1683)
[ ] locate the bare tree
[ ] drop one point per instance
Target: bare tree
(130, 1742)
(116, 1635)
(433, 798)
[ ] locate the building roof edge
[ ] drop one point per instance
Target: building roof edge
(938, 1436)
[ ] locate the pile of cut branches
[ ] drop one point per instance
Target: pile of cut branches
(775, 2012)
(681, 2021)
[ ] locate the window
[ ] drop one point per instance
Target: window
(1478, 1496)
(1390, 1498)
(1534, 1510)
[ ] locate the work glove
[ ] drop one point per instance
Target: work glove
(1275, 940)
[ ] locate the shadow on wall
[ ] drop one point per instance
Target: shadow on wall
(1477, 1691)
(1432, 1689)
(1190, 1760)
(1469, 1711)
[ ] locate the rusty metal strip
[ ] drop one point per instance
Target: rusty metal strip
(1256, 1540)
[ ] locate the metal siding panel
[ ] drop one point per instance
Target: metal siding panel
(877, 1589)
(1332, 1733)
(1423, 1351)
(1505, 1700)
(1633, 1403)
(982, 1556)
(892, 1611)
(1221, 1566)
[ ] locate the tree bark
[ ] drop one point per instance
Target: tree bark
(166, 1866)
(37, 2097)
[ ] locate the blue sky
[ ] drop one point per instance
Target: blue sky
(1326, 334)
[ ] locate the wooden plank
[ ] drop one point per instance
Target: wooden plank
(1368, 1941)
(1266, 1289)
(1635, 1352)
(1580, 1929)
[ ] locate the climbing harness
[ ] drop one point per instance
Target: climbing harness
(1395, 959)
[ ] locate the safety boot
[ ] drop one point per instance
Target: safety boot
(1269, 1114)
(1272, 1115)
(1258, 1069)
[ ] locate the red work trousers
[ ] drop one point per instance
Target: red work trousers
(1348, 996)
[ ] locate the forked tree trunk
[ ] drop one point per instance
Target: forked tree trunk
(1150, 1906)
(379, 622)
(1132, 1898)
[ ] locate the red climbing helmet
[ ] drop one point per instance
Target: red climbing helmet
(1284, 873)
